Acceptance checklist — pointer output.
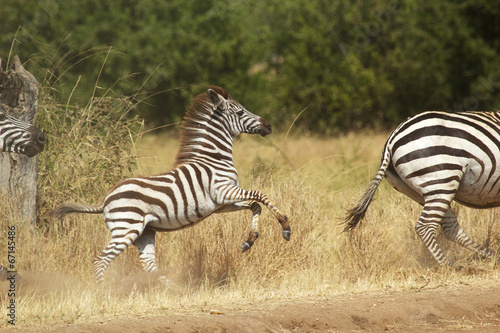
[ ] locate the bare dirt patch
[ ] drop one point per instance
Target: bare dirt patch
(447, 309)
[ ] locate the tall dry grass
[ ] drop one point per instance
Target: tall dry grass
(313, 180)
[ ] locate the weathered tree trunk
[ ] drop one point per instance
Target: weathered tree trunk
(19, 98)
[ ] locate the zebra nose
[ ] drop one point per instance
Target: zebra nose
(41, 138)
(37, 138)
(265, 128)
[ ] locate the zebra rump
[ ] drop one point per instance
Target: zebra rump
(434, 158)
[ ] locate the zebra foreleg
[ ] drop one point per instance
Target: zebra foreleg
(256, 210)
(262, 198)
(454, 232)
(146, 245)
(282, 219)
(230, 195)
(254, 232)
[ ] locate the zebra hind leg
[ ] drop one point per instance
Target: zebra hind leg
(454, 232)
(117, 245)
(146, 245)
(254, 232)
(430, 219)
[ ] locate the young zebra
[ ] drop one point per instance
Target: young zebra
(204, 181)
(17, 136)
(435, 158)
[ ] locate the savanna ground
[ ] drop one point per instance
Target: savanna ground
(379, 277)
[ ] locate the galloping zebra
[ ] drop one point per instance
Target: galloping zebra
(17, 136)
(435, 158)
(204, 181)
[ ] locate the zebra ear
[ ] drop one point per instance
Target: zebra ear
(215, 98)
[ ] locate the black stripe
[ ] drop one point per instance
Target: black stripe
(189, 179)
(144, 198)
(131, 221)
(126, 209)
(433, 151)
(182, 189)
(441, 181)
(435, 168)
(431, 208)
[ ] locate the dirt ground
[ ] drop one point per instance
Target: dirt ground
(443, 309)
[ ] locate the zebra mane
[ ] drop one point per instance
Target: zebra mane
(193, 126)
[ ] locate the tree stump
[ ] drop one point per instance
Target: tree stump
(18, 173)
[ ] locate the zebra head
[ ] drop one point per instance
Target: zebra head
(17, 136)
(238, 119)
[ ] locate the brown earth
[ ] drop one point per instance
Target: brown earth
(443, 309)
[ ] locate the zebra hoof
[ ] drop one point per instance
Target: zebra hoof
(246, 246)
(287, 233)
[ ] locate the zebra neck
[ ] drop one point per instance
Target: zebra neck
(206, 143)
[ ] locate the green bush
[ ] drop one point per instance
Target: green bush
(351, 63)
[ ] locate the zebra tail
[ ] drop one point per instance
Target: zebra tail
(68, 208)
(356, 214)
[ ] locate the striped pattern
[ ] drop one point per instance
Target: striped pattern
(204, 181)
(17, 136)
(435, 158)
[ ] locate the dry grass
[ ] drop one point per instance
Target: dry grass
(313, 180)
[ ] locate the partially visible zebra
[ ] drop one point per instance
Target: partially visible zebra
(17, 136)
(435, 158)
(204, 181)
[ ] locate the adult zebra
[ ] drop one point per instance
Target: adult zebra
(435, 158)
(203, 181)
(17, 136)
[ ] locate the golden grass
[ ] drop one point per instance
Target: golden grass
(312, 180)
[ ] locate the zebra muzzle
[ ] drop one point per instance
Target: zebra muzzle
(265, 128)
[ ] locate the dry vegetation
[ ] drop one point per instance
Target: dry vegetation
(313, 180)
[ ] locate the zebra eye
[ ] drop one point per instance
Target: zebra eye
(239, 113)
(2, 116)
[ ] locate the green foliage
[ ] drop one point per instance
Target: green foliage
(351, 63)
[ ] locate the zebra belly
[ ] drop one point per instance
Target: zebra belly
(160, 212)
(181, 216)
(475, 187)
(138, 214)
(479, 187)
